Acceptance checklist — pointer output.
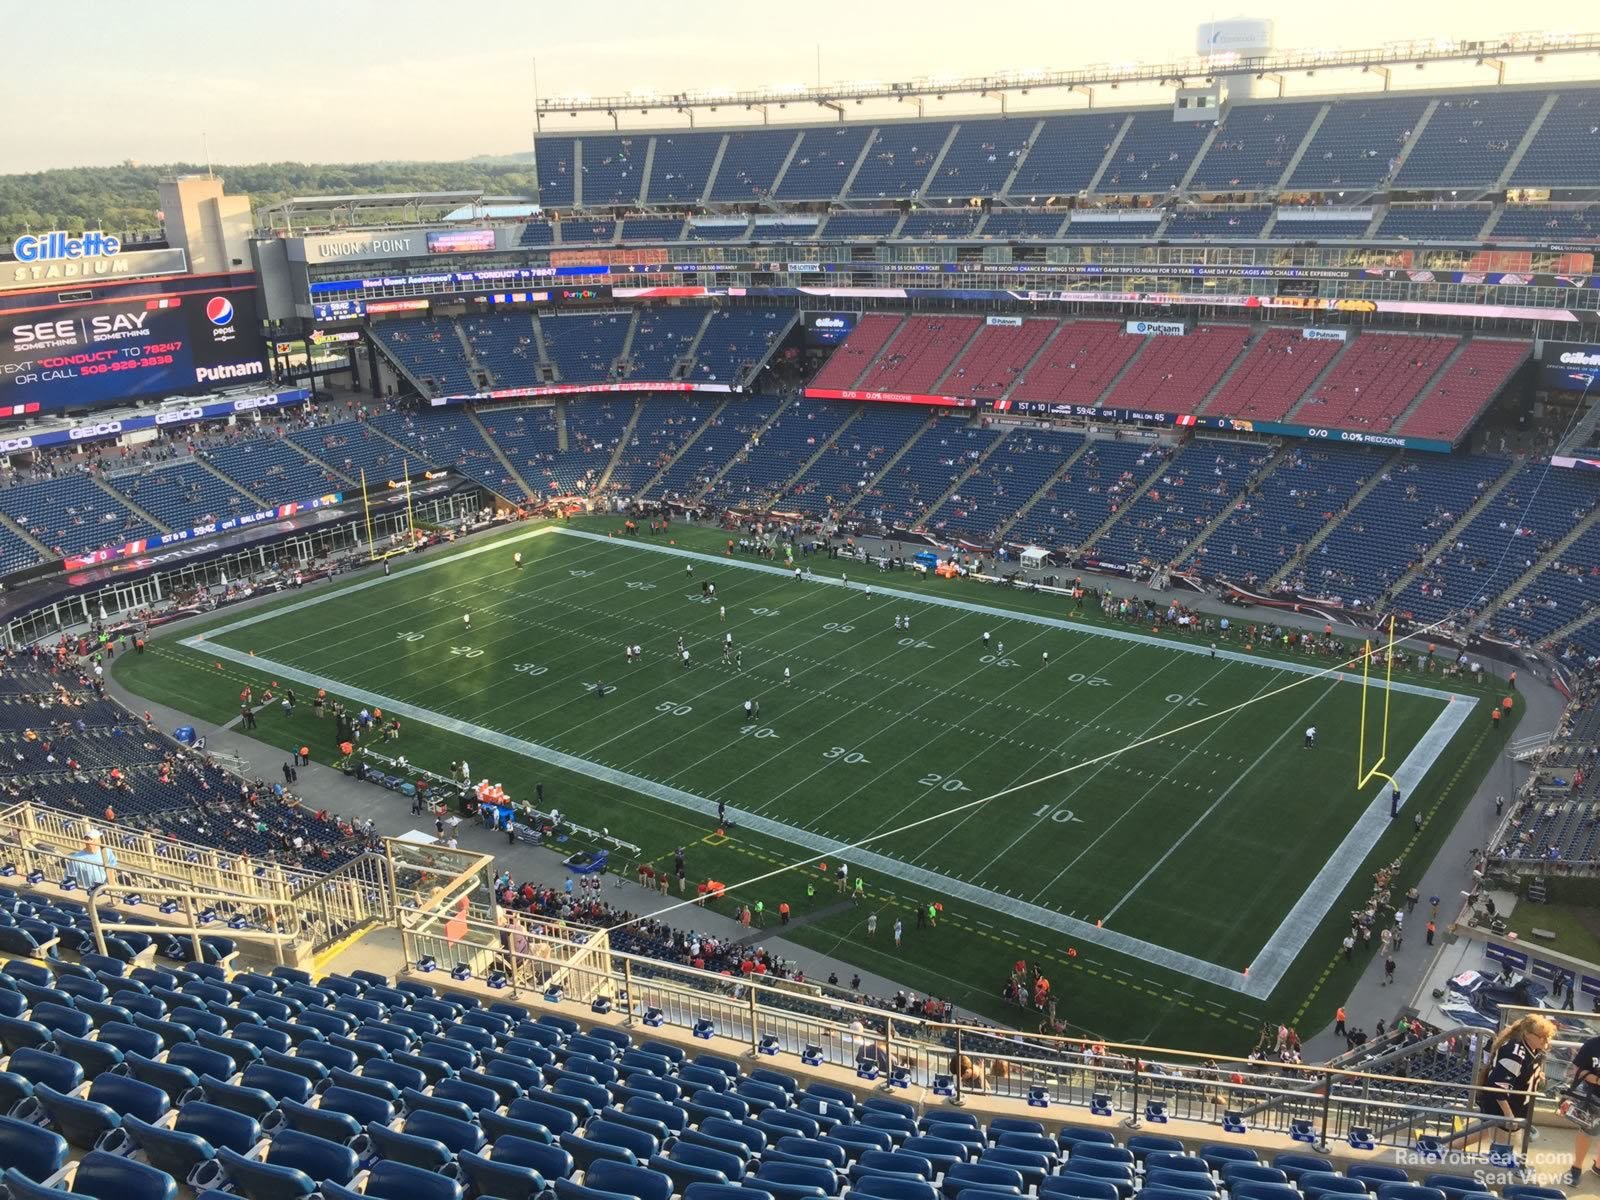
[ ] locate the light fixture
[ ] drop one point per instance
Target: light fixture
(654, 1018)
(704, 1029)
(768, 1045)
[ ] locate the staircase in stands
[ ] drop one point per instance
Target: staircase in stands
(755, 438)
(1055, 477)
(684, 449)
(1450, 535)
(1527, 578)
(1299, 560)
(1239, 498)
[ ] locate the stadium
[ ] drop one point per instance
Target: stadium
(872, 640)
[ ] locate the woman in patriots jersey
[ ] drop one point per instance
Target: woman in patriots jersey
(1514, 1067)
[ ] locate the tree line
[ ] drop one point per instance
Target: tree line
(122, 199)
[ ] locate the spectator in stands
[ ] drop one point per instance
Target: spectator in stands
(1514, 1068)
(1581, 1106)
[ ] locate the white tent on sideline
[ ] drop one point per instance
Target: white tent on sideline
(1033, 558)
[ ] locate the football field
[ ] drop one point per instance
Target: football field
(1137, 792)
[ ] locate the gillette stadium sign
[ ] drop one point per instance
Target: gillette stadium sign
(59, 255)
(31, 248)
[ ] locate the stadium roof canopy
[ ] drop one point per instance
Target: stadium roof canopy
(350, 209)
(1491, 53)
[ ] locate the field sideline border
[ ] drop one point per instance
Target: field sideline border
(1257, 981)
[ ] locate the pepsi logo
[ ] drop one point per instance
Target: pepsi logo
(219, 310)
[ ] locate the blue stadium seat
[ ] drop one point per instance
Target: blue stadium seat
(406, 1148)
(1295, 1165)
(642, 1183)
(82, 1122)
(103, 1176)
(31, 1149)
(490, 1177)
(1316, 1184)
(93, 1056)
(260, 1180)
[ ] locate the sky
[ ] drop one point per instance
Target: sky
(165, 80)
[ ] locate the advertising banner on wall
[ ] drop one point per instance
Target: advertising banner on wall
(827, 328)
(1569, 366)
(242, 521)
(201, 410)
(83, 355)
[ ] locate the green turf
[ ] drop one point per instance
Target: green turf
(1200, 843)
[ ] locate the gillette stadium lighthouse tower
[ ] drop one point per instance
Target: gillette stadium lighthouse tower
(1223, 44)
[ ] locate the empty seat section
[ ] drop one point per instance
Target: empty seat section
(1153, 156)
(735, 341)
(849, 464)
(898, 160)
(799, 431)
(1003, 483)
(613, 168)
(1275, 372)
(1200, 480)
(919, 354)
(680, 168)
(1078, 502)
(72, 514)
(720, 440)
(430, 350)
(1306, 491)
(1461, 393)
(937, 458)
(865, 341)
(1078, 364)
(272, 469)
(1254, 146)
(1469, 139)
(750, 163)
(822, 162)
(1357, 142)
(662, 336)
(1176, 374)
(1375, 379)
(503, 343)
(585, 346)
(996, 359)
(663, 425)
(1024, 224)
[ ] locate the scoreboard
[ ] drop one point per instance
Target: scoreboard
(107, 351)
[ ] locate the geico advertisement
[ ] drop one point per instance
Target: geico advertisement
(90, 354)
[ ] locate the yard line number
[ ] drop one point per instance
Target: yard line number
(1058, 813)
(840, 754)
